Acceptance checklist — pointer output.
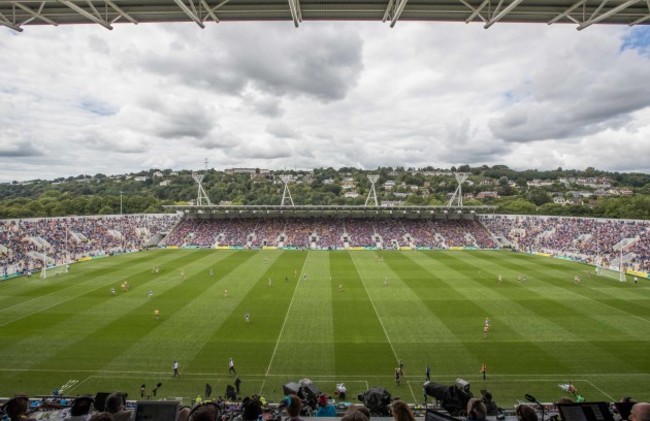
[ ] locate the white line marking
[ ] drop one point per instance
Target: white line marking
(375, 308)
(600, 390)
(262, 387)
(286, 317)
(542, 377)
(76, 385)
(412, 392)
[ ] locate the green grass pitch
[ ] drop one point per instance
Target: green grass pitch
(70, 330)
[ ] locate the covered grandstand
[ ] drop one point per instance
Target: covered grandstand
(30, 244)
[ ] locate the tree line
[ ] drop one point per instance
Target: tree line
(148, 191)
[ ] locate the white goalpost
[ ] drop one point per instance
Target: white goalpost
(47, 271)
(613, 273)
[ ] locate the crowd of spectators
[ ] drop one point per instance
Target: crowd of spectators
(595, 241)
(330, 233)
(195, 232)
(299, 233)
(296, 408)
(25, 244)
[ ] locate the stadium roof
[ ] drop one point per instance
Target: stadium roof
(16, 14)
(336, 211)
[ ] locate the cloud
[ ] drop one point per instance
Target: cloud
(586, 95)
(323, 62)
(17, 149)
(265, 105)
(282, 130)
(219, 139)
(263, 94)
(119, 141)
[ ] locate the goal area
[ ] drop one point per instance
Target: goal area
(613, 273)
(47, 272)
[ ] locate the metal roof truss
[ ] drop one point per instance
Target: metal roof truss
(16, 14)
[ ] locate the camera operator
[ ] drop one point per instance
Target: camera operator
(454, 399)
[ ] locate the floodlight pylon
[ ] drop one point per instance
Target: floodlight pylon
(287, 193)
(201, 196)
(372, 194)
(458, 194)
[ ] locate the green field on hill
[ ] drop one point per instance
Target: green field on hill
(329, 317)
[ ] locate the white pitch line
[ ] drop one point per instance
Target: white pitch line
(286, 317)
(262, 387)
(76, 385)
(523, 376)
(600, 390)
(376, 312)
(412, 392)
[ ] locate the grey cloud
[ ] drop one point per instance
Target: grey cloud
(18, 149)
(585, 101)
(282, 130)
(178, 117)
(322, 63)
(120, 141)
(262, 149)
(263, 104)
(219, 140)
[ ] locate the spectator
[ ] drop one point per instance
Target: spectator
(365, 411)
(294, 406)
(325, 408)
(101, 416)
(80, 409)
(357, 414)
(207, 411)
(526, 413)
(401, 411)
(640, 412)
(251, 409)
(115, 406)
(476, 410)
(16, 408)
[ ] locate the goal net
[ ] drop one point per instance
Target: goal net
(47, 272)
(611, 272)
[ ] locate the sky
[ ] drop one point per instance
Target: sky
(84, 100)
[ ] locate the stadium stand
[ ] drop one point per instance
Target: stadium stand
(330, 233)
(27, 244)
(598, 242)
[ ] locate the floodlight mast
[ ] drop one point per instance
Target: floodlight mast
(201, 196)
(286, 194)
(372, 194)
(458, 194)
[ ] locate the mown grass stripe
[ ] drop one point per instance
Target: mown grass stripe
(309, 326)
(545, 321)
